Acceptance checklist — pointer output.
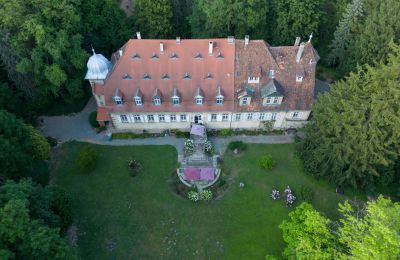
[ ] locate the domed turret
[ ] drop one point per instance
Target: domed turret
(98, 67)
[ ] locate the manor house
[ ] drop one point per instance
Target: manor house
(153, 84)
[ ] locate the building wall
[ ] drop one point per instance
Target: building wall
(281, 119)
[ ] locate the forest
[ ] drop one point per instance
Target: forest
(352, 139)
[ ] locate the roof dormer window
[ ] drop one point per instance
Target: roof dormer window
(146, 76)
(126, 76)
(271, 74)
(157, 101)
(199, 100)
(175, 98)
(138, 101)
(299, 78)
(136, 56)
(198, 55)
(219, 98)
(174, 55)
(118, 100)
(186, 76)
(253, 80)
(220, 56)
(209, 76)
(165, 76)
(199, 97)
(154, 56)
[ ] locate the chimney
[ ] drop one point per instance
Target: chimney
(138, 35)
(246, 40)
(120, 52)
(231, 39)
(297, 42)
(161, 47)
(300, 52)
(210, 48)
(178, 40)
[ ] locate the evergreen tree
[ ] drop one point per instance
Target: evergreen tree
(221, 18)
(347, 25)
(153, 18)
(182, 9)
(354, 136)
(295, 18)
(44, 35)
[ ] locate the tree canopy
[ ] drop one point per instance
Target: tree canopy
(369, 232)
(353, 137)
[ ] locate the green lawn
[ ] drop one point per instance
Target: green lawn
(120, 217)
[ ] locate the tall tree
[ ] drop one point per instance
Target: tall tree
(369, 232)
(347, 25)
(371, 37)
(221, 18)
(104, 25)
(20, 146)
(182, 9)
(354, 135)
(295, 18)
(153, 18)
(44, 35)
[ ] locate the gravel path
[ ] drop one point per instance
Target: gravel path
(76, 127)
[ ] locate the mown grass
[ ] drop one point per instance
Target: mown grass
(120, 217)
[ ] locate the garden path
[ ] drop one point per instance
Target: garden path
(76, 127)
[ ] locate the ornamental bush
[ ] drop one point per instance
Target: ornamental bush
(92, 119)
(188, 146)
(135, 167)
(209, 148)
(266, 162)
(206, 195)
(87, 159)
(193, 196)
(237, 145)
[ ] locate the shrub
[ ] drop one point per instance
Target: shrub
(92, 119)
(180, 134)
(266, 162)
(188, 146)
(209, 148)
(127, 135)
(135, 167)
(87, 159)
(237, 145)
(225, 132)
(206, 195)
(305, 194)
(193, 196)
(41, 147)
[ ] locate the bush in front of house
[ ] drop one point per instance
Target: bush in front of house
(266, 162)
(87, 159)
(188, 146)
(305, 194)
(225, 132)
(237, 145)
(134, 167)
(92, 119)
(209, 148)
(206, 195)
(193, 196)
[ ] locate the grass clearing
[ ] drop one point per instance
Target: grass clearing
(124, 217)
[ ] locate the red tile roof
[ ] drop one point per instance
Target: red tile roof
(221, 69)
(102, 114)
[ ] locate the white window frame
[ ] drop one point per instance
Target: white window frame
(269, 100)
(183, 117)
(274, 115)
(249, 116)
(225, 117)
(172, 117)
(138, 101)
(276, 100)
(118, 100)
(161, 118)
(219, 100)
(124, 118)
(199, 100)
(157, 101)
(261, 116)
(253, 80)
(213, 117)
(137, 118)
(175, 101)
(150, 118)
(299, 78)
(238, 117)
(296, 115)
(245, 101)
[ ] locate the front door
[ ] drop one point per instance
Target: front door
(197, 118)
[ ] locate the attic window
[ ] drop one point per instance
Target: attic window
(299, 78)
(209, 76)
(118, 100)
(165, 76)
(126, 76)
(186, 76)
(154, 56)
(271, 74)
(136, 56)
(220, 56)
(174, 55)
(146, 76)
(198, 56)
